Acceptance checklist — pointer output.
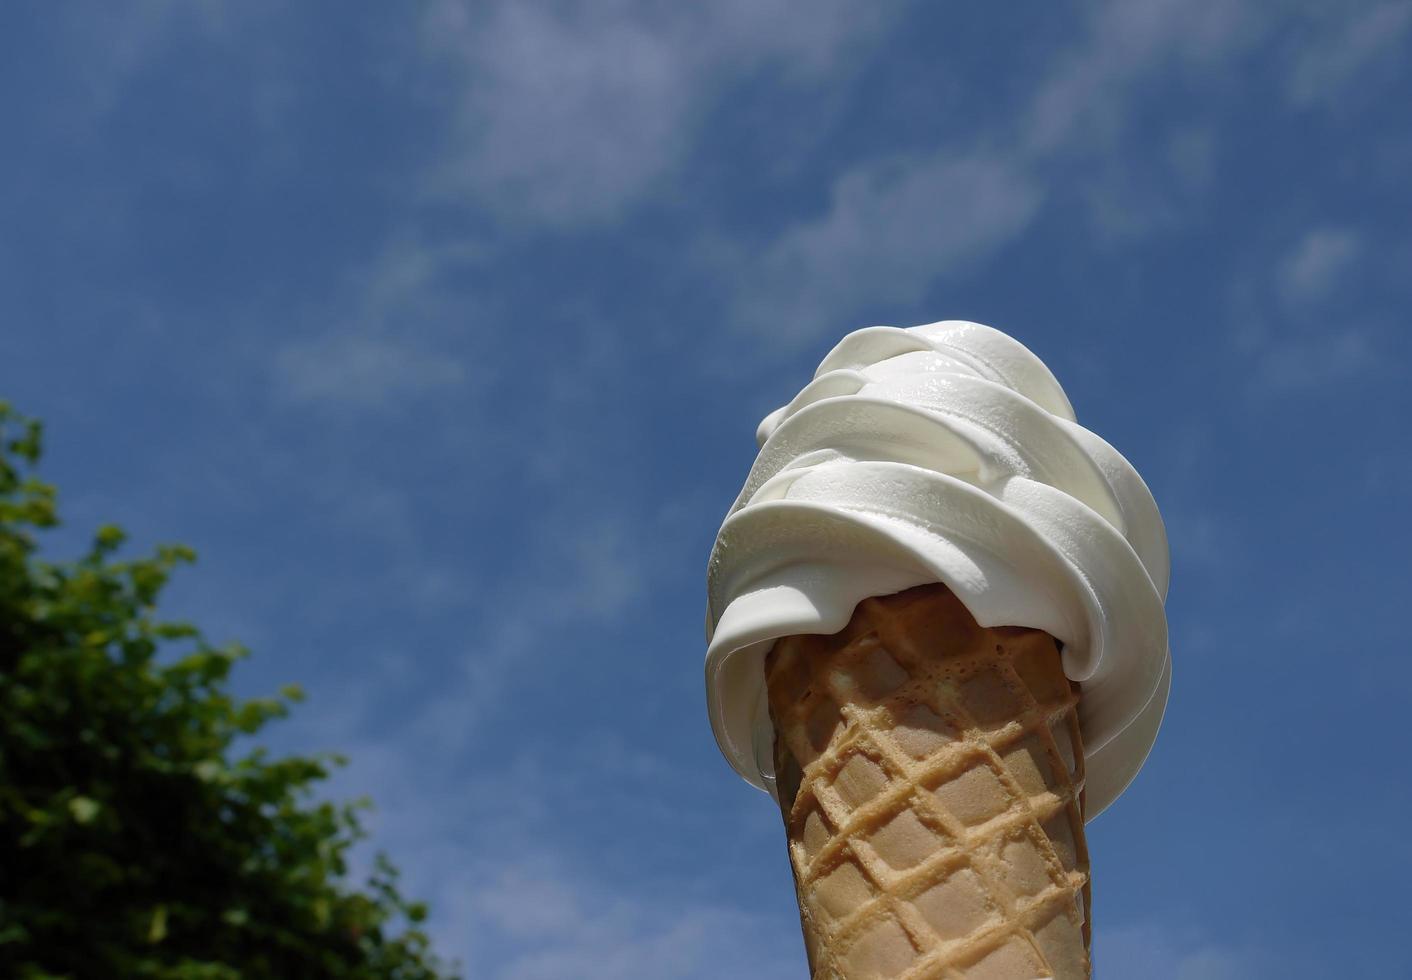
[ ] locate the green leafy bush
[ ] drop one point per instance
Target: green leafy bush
(138, 837)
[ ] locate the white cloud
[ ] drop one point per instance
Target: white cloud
(535, 917)
(1297, 364)
(1325, 68)
(1292, 327)
(360, 371)
(108, 44)
(1086, 105)
(511, 892)
(1087, 98)
(1163, 951)
(476, 815)
(585, 575)
(389, 333)
(1316, 263)
(495, 852)
(569, 114)
(892, 228)
(565, 121)
(585, 569)
(596, 935)
(1129, 196)
(889, 231)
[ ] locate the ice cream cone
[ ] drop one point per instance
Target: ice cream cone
(930, 775)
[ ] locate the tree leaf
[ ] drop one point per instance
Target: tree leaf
(84, 809)
(157, 931)
(150, 834)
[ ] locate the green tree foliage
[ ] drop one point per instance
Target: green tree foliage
(140, 836)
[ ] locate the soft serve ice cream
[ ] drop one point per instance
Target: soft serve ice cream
(943, 453)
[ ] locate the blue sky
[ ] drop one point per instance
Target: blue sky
(442, 330)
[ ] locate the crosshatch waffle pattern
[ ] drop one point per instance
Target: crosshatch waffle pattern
(930, 775)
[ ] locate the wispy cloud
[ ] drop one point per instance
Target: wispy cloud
(513, 891)
(108, 45)
(387, 338)
(1130, 197)
(581, 574)
(585, 576)
(1088, 96)
(1305, 363)
(359, 371)
(1312, 344)
(894, 226)
(539, 920)
(569, 114)
(497, 852)
(1363, 41)
(1297, 321)
(479, 796)
(1165, 951)
(1315, 264)
(891, 229)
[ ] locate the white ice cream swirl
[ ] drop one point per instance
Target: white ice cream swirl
(946, 452)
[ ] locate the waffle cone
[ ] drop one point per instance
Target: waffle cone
(930, 775)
